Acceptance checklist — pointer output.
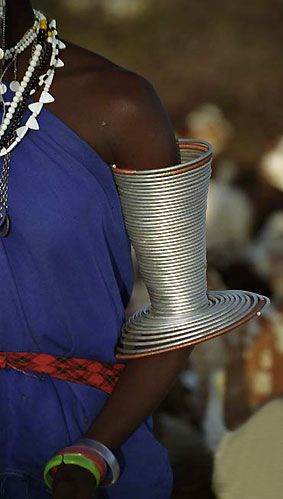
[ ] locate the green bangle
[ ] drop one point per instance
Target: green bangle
(54, 461)
(76, 459)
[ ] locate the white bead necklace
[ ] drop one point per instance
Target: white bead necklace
(45, 97)
(32, 80)
(12, 53)
(27, 39)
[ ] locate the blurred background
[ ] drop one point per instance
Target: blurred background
(217, 66)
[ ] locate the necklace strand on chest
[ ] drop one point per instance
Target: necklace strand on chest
(43, 38)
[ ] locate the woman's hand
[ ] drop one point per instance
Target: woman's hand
(73, 482)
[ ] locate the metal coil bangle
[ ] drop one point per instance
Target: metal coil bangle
(165, 216)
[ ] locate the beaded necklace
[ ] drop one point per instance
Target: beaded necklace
(2, 29)
(43, 37)
(27, 38)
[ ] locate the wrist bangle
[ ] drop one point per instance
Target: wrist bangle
(107, 456)
(89, 454)
(70, 458)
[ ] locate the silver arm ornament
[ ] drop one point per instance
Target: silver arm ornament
(165, 216)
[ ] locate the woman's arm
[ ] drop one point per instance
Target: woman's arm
(142, 386)
(140, 136)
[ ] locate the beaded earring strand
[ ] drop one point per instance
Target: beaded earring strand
(2, 27)
(3, 178)
(27, 38)
(45, 47)
(12, 53)
(2, 37)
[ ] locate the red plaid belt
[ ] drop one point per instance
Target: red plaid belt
(83, 371)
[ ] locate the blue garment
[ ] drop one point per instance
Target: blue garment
(65, 279)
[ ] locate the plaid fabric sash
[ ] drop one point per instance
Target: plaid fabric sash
(84, 371)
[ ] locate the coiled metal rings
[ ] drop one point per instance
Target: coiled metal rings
(165, 217)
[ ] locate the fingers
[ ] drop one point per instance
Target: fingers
(73, 482)
(67, 490)
(64, 490)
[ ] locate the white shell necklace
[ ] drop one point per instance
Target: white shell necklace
(26, 40)
(45, 41)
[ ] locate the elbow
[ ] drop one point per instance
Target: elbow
(176, 359)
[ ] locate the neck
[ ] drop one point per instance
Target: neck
(19, 18)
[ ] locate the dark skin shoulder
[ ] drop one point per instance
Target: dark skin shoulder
(114, 110)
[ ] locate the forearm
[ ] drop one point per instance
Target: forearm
(142, 386)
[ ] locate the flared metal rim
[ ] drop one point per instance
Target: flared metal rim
(130, 353)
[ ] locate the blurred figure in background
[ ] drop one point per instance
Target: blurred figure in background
(249, 461)
(209, 123)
